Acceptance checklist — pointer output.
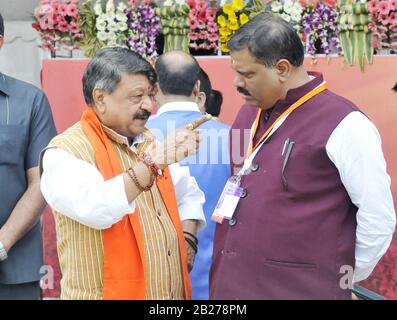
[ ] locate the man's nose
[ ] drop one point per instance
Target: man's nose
(238, 82)
(147, 103)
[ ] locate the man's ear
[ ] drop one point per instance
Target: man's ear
(201, 99)
(98, 96)
(196, 88)
(1, 41)
(284, 69)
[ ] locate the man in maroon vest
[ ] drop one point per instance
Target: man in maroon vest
(316, 212)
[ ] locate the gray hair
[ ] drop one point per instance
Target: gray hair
(107, 68)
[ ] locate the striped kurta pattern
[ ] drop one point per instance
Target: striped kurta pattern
(81, 248)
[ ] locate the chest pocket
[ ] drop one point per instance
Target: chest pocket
(12, 139)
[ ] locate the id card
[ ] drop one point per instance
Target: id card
(228, 200)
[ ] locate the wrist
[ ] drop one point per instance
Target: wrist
(152, 163)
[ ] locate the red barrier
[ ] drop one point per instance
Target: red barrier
(371, 91)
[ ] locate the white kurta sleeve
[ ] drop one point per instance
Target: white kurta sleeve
(77, 189)
(189, 197)
(355, 149)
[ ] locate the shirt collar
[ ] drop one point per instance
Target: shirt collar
(4, 85)
(296, 93)
(122, 140)
(178, 106)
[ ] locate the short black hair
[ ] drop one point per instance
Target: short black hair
(1, 25)
(178, 80)
(205, 86)
(215, 103)
(269, 38)
(109, 65)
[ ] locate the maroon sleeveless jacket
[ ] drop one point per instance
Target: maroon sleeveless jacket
(289, 240)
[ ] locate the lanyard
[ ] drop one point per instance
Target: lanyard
(252, 151)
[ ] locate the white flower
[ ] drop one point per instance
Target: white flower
(101, 25)
(297, 6)
(98, 8)
(167, 3)
(286, 17)
(288, 6)
(102, 35)
(112, 27)
(121, 7)
(110, 17)
(297, 27)
(180, 2)
(276, 6)
(121, 17)
(110, 7)
(121, 26)
(296, 16)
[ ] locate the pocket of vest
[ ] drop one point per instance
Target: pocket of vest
(290, 264)
(11, 145)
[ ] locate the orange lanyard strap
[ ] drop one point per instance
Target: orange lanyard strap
(294, 106)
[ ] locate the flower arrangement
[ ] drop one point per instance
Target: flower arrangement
(231, 18)
(90, 42)
(58, 24)
(143, 29)
(175, 25)
(384, 23)
(290, 10)
(111, 24)
(204, 29)
(319, 26)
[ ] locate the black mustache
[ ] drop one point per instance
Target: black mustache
(243, 91)
(143, 115)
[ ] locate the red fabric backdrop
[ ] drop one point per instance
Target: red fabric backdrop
(371, 91)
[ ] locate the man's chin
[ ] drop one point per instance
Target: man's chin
(250, 101)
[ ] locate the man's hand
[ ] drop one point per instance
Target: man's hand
(180, 144)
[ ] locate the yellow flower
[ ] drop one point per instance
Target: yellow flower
(227, 8)
(224, 39)
(222, 21)
(224, 47)
(238, 4)
(232, 16)
(224, 31)
(243, 19)
(234, 26)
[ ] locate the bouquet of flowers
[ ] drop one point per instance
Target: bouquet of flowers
(143, 29)
(384, 23)
(58, 24)
(111, 24)
(290, 10)
(175, 25)
(319, 27)
(204, 30)
(231, 18)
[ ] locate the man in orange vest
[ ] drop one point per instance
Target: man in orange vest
(115, 199)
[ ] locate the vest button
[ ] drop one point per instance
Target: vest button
(159, 213)
(232, 222)
(169, 252)
(254, 167)
(243, 193)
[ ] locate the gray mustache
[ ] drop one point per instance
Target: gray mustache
(142, 115)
